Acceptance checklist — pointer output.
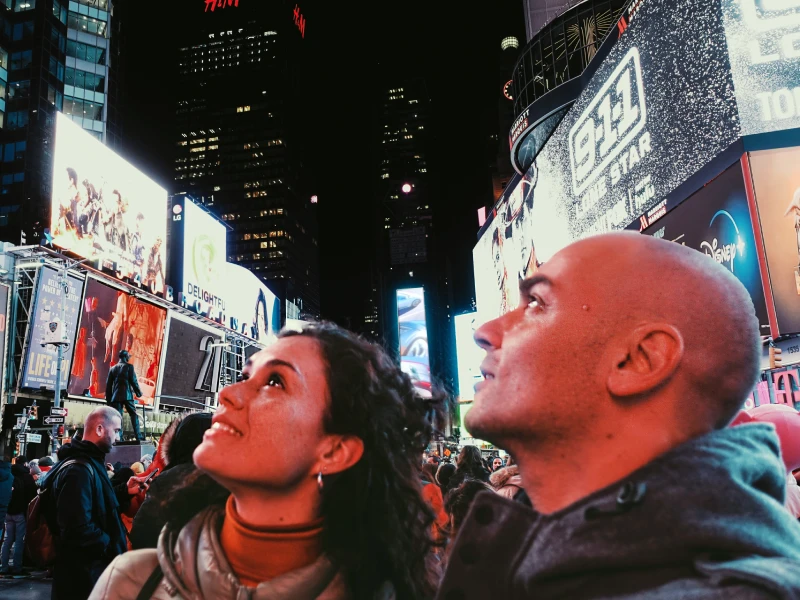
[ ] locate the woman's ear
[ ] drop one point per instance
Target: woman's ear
(340, 453)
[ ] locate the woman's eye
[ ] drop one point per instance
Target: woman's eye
(274, 381)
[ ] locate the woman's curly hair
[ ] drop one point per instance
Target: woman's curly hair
(377, 524)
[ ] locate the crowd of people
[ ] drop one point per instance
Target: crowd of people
(315, 478)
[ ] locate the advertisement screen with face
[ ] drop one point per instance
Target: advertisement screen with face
(468, 355)
(192, 363)
(506, 253)
(253, 310)
(41, 362)
(112, 320)
(204, 263)
(103, 208)
(414, 359)
(716, 222)
(776, 180)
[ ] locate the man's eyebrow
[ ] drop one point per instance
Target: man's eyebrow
(526, 284)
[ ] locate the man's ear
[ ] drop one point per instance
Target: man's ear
(339, 453)
(648, 360)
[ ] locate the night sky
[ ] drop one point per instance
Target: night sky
(454, 48)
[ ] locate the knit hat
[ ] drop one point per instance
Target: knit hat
(46, 462)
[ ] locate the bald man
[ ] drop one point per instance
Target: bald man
(612, 384)
(89, 531)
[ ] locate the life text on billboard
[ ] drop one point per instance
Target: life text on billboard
(105, 209)
(41, 361)
(413, 329)
(112, 320)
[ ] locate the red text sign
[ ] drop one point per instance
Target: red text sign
(212, 5)
(299, 20)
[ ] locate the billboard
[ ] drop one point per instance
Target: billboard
(414, 357)
(505, 253)
(112, 320)
(4, 296)
(776, 182)
(41, 362)
(762, 40)
(253, 310)
(204, 263)
(716, 221)
(468, 355)
(192, 363)
(105, 209)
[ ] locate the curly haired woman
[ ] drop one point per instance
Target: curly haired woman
(328, 504)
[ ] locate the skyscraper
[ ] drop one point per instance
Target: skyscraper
(239, 136)
(54, 56)
(409, 282)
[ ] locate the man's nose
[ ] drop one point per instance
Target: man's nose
(489, 336)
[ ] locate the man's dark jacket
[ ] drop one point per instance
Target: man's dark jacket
(6, 483)
(87, 526)
(703, 521)
(21, 498)
(121, 384)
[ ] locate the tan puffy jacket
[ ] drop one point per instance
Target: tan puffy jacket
(507, 481)
(195, 568)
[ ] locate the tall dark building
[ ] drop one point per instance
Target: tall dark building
(239, 138)
(55, 55)
(408, 256)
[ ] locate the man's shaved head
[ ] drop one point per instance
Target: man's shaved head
(612, 325)
(102, 415)
(102, 427)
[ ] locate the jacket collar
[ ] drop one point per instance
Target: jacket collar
(718, 496)
(195, 566)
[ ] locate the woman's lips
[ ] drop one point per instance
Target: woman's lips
(219, 427)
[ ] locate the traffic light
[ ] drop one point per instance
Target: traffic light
(34, 413)
(16, 450)
(775, 359)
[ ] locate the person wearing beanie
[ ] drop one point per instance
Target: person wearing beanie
(45, 464)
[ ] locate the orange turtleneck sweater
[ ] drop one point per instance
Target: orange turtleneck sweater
(258, 554)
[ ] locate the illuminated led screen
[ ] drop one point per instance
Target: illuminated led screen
(657, 110)
(41, 362)
(103, 208)
(112, 320)
(413, 329)
(468, 355)
(204, 263)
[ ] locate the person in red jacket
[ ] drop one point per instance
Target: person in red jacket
(433, 496)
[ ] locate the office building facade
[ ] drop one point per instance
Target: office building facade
(238, 141)
(55, 55)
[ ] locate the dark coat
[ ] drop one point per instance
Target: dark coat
(21, 498)
(122, 384)
(87, 525)
(463, 474)
(703, 521)
(169, 499)
(6, 483)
